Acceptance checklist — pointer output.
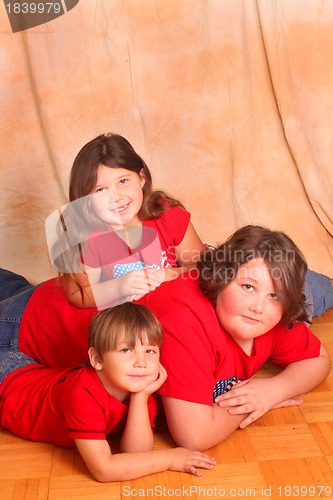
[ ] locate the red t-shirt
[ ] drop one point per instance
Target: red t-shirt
(53, 332)
(58, 406)
(158, 239)
(198, 353)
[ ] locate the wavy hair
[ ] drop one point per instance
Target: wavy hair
(114, 151)
(285, 263)
(109, 150)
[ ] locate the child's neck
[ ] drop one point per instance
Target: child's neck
(131, 235)
(246, 345)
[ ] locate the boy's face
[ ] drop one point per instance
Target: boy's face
(249, 307)
(128, 369)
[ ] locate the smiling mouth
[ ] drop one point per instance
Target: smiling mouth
(120, 209)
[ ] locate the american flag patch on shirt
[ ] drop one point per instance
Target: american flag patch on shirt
(223, 386)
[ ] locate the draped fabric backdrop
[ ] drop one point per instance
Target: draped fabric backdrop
(230, 103)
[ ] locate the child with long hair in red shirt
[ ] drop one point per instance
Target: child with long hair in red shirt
(117, 239)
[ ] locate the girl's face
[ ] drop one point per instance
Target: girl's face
(118, 196)
(249, 307)
(127, 369)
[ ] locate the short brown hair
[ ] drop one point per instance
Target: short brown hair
(285, 262)
(129, 320)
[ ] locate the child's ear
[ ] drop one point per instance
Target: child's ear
(94, 359)
(142, 177)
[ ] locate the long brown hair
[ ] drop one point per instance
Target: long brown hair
(114, 151)
(285, 262)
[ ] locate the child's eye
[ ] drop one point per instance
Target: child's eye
(247, 287)
(100, 190)
(123, 181)
(151, 351)
(125, 349)
(273, 296)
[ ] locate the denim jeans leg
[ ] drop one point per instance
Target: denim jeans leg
(11, 284)
(10, 361)
(308, 300)
(319, 292)
(11, 311)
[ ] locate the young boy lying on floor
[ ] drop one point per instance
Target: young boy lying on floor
(113, 392)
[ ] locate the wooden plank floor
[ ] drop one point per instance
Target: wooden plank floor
(286, 454)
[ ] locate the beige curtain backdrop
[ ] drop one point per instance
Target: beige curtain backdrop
(230, 103)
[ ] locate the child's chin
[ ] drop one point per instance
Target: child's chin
(139, 385)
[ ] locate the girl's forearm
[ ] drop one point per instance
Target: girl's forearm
(98, 294)
(255, 396)
(102, 295)
(302, 376)
(108, 293)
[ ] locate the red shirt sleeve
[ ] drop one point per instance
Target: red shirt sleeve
(176, 219)
(171, 227)
(84, 416)
(295, 344)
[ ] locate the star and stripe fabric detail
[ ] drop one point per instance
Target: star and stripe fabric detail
(223, 386)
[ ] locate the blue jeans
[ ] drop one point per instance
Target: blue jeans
(11, 361)
(319, 293)
(15, 292)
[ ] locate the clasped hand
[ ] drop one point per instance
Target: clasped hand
(135, 284)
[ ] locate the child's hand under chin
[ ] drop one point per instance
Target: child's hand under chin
(157, 383)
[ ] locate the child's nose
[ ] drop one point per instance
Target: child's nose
(257, 305)
(116, 194)
(140, 360)
(111, 195)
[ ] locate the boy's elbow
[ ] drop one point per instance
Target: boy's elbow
(105, 474)
(101, 478)
(100, 474)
